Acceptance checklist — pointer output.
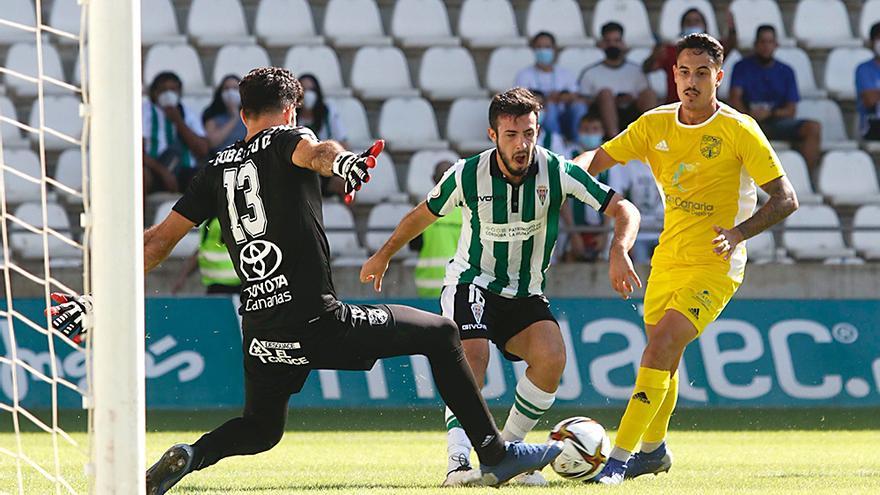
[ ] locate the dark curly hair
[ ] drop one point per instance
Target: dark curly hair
(515, 101)
(701, 42)
(269, 89)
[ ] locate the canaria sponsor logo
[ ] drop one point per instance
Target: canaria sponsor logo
(695, 208)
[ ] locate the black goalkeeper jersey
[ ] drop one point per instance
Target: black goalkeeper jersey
(271, 219)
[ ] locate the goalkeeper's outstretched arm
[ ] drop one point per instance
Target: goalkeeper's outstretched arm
(160, 239)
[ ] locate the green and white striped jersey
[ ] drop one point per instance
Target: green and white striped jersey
(508, 231)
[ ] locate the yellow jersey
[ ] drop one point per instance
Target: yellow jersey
(706, 174)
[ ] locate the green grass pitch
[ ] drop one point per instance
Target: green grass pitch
(380, 451)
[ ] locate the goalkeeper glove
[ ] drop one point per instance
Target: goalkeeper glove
(68, 316)
(354, 169)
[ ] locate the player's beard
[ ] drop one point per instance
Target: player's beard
(513, 167)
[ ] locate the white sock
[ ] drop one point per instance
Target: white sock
(530, 403)
(620, 454)
(458, 445)
(651, 446)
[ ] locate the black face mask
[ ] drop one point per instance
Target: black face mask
(613, 52)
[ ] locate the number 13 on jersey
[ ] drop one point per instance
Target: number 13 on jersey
(246, 180)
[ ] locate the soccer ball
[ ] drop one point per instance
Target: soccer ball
(586, 448)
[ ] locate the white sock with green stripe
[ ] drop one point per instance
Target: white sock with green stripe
(529, 405)
(458, 445)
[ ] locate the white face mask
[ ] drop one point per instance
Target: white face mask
(168, 98)
(310, 97)
(877, 48)
(231, 97)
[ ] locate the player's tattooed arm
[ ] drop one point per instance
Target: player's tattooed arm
(317, 156)
(414, 223)
(160, 239)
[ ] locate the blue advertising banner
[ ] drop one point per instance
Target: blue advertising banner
(759, 353)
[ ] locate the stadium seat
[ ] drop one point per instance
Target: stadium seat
(422, 24)
(467, 124)
(158, 23)
(65, 16)
(419, 176)
(61, 114)
(828, 113)
(354, 119)
(354, 23)
(657, 78)
(796, 170)
(21, 12)
(729, 61)
(10, 134)
(629, 13)
(381, 73)
(869, 16)
(196, 103)
(840, 71)
(19, 189)
(504, 63)
(447, 73)
(69, 171)
(282, 23)
(22, 58)
(823, 24)
(749, 14)
(815, 244)
(488, 24)
(29, 246)
(180, 59)
(320, 61)
(848, 178)
(239, 60)
(383, 185)
(409, 124)
(762, 249)
(386, 217)
(187, 246)
(217, 22)
(672, 12)
(576, 59)
(867, 243)
(803, 71)
(563, 18)
(344, 246)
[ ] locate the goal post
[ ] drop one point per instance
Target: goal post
(117, 264)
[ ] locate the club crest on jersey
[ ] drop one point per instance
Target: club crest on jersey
(710, 146)
(259, 259)
(542, 193)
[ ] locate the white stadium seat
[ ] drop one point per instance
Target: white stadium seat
(504, 63)
(828, 113)
(563, 18)
(631, 14)
(344, 246)
(61, 115)
(354, 119)
(281, 23)
(354, 23)
(420, 175)
(848, 178)
(823, 24)
(10, 134)
(672, 12)
(577, 58)
(65, 16)
(21, 12)
(422, 24)
(869, 16)
(867, 243)
(30, 246)
(729, 61)
(383, 185)
(386, 217)
(803, 71)
(815, 244)
(239, 60)
(409, 124)
(467, 124)
(197, 103)
(447, 73)
(320, 61)
(158, 23)
(20, 189)
(69, 172)
(190, 242)
(796, 170)
(657, 78)
(762, 249)
(488, 24)
(840, 71)
(180, 59)
(217, 23)
(22, 58)
(749, 14)
(381, 73)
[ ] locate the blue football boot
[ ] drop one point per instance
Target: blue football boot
(656, 462)
(174, 464)
(520, 458)
(611, 474)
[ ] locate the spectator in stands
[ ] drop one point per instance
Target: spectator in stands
(223, 124)
(617, 89)
(868, 90)
(436, 246)
(584, 246)
(664, 55)
(174, 139)
(547, 137)
(766, 89)
(637, 184)
(323, 119)
(213, 261)
(558, 85)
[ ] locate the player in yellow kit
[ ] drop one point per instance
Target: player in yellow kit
(706, 158)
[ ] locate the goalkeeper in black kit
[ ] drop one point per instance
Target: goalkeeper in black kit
(266, 192)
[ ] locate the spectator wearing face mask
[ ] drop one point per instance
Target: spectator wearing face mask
(223, 125)
(562, 108)
(868, 90)
(323, 119)
(547, 137)
(174, 139)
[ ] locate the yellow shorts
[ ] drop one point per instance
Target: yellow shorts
(698, 294)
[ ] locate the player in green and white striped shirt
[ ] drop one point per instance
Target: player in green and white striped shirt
(510, 197)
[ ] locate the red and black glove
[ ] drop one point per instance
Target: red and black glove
(68, 315)
(355, 169)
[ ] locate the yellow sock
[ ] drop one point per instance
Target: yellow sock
(656, 431)
(648, 394)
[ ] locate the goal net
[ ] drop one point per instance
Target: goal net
(70, 205)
